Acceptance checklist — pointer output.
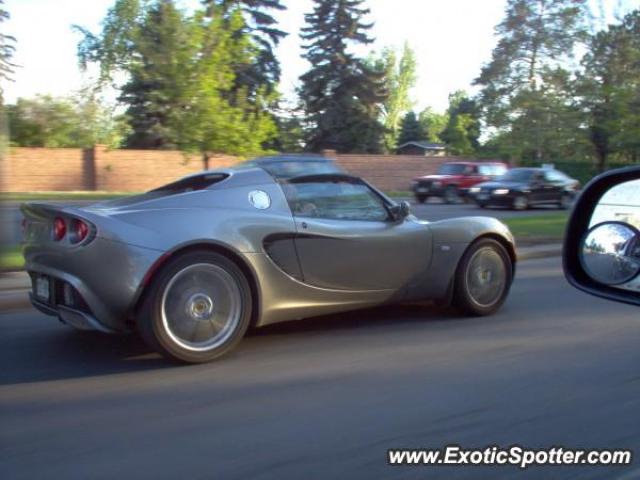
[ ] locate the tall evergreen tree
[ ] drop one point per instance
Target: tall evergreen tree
(263, 74)
(181, 76)
(340, 94)
(536, 38)
(609, 90)
(410, 130)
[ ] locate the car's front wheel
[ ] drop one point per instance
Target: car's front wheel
(483, 278)
(197, 308)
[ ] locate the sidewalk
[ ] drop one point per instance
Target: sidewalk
(15, 286)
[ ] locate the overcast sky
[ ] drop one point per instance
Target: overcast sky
(451, 38)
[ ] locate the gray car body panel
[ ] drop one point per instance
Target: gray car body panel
(300, 267)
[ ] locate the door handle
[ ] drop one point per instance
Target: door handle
(304, 224)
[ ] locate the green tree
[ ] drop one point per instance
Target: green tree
(433, 124)
(340, 95)
(181, 90)
(410, 130)
(80, 121)
(7, 49)
(399, 78)
(262, 74)
(463, 127)
(536, 38)
(609, 90)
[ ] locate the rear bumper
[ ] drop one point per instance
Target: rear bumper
(106, 277)
(75, 318)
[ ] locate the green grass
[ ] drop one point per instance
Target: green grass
(398, 193)
(11, 259)
(60, 196)
(539, 227)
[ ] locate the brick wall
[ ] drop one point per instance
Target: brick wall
(390, 172)
(139, 170)
(68, 169)
(42, 169)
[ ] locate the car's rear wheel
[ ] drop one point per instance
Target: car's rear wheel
(421, 198)
(197, 308)
(451, 194)
(565, 201)
(483, 278)
(520, 202)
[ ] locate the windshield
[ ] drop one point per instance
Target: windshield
(289, 169)
(517, 175)
(452, 169)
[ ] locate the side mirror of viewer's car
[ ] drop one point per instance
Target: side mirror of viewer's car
(601, 253)
(400, 211)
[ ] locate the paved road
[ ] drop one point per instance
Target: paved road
(325, 398)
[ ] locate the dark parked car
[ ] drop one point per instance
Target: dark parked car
(454, 179)
(521, 188)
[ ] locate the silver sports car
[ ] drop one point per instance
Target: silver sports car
(192, 265)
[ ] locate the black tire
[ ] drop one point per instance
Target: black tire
(520, 202)
(498, 262)
(421, 198)
(191, 307)
(451, 194)
(565, 201)
(481, 204)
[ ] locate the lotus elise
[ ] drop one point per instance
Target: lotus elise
(193, 264)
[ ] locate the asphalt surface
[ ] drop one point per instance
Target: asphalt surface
(326, 397)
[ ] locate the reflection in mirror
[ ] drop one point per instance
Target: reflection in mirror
(621, 204)
(611, 253)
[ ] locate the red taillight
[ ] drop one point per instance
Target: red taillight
(59, 229)
(80, 230)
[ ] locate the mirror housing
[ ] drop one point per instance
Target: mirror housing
(400, 211)
(578, 248)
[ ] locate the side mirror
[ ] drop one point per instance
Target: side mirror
(400, 211)
(601, 253)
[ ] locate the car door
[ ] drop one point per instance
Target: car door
(347, 240)
(538, 187)
(555, 182)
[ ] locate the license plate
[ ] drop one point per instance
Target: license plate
(42, 288)
(482, 196)
(422, 190)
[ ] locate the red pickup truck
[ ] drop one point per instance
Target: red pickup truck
(453, 180)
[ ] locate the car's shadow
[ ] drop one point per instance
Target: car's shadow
(49, 352)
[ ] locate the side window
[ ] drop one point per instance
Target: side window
(335, 200)
(552, 176)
